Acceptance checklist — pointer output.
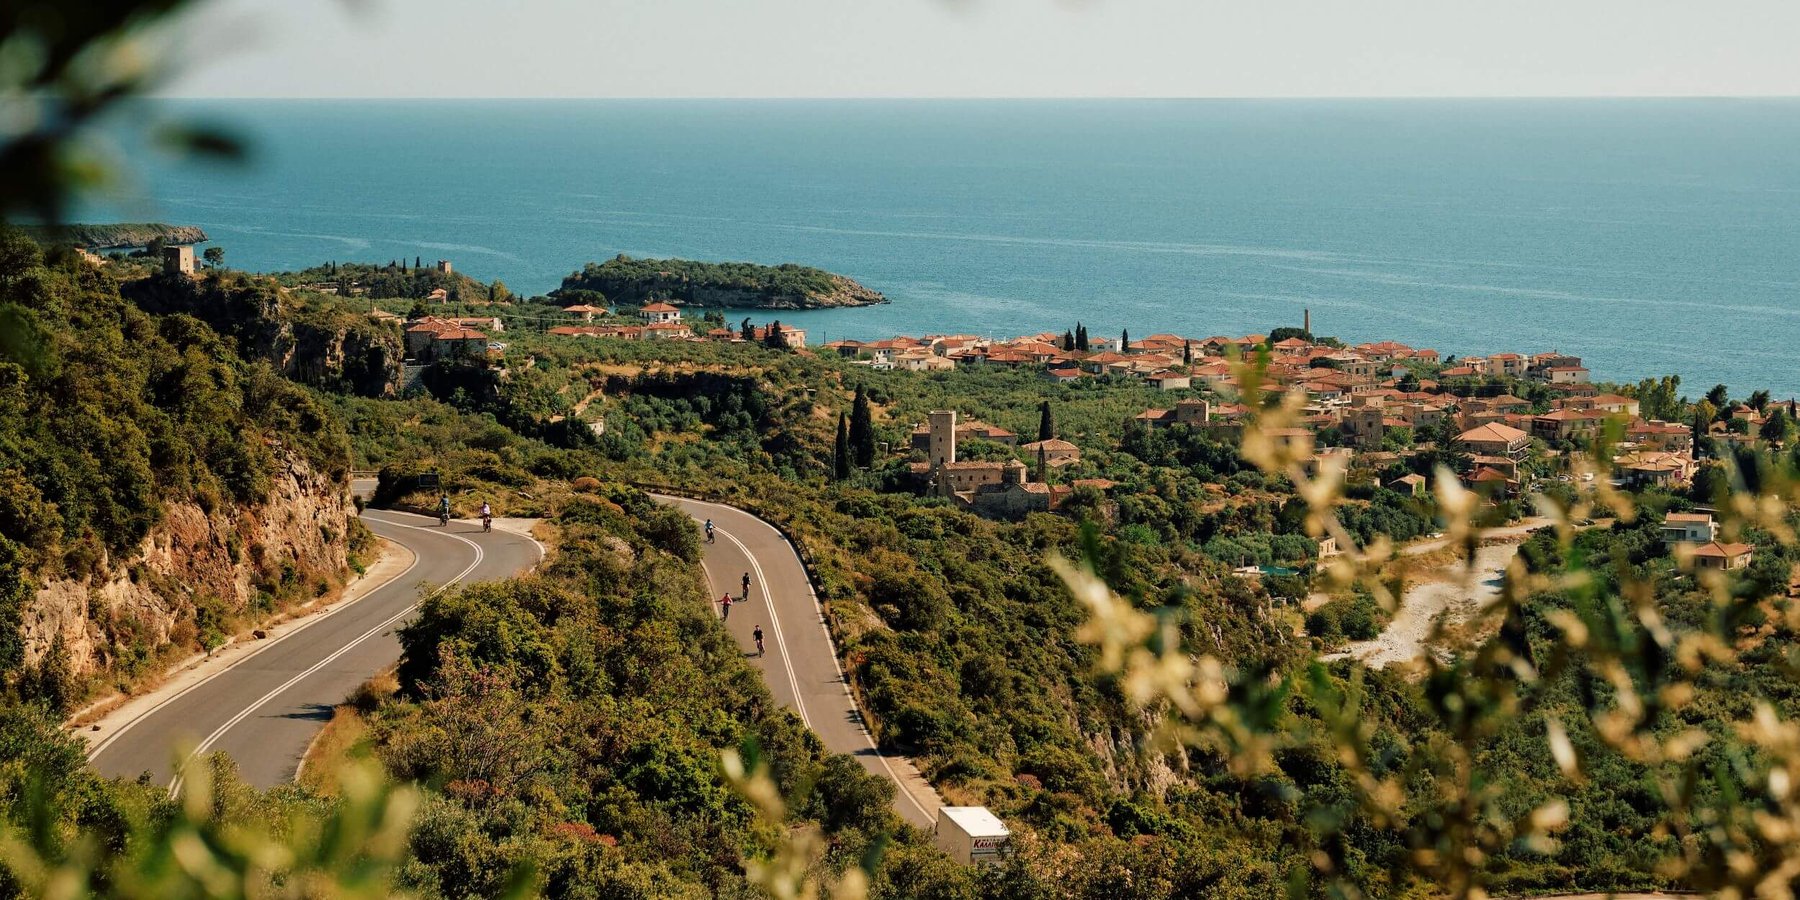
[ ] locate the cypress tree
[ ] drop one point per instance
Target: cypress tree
(840, 452)
(772, 338)
(862, 431)
(1068, 342)
(1081, 340)
(1046, 427)
(1775, 428)
(1703, 419)
(748, 331)
(1125, 341)
(1187, 353)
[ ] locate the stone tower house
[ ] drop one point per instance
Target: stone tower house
(943, 437)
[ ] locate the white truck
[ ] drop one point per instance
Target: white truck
(971, 834)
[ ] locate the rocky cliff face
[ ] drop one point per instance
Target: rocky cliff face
(194, 573)
(337, 350)
(357, 358)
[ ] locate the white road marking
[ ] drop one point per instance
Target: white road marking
(175, 783)
(95, 751)
(843, 679)
(774, 620)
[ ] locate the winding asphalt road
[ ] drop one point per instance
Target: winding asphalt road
(267, 706)
(800, 664)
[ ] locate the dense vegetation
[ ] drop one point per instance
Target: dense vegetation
(312, 338)
(569, 724)
(396, 280)
(575, 719)
(960, 641)
(623, 279)
(108, 414)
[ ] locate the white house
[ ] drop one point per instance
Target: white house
(660, 314)
(1691, 528)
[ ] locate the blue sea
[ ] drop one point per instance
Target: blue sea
(1646, 236)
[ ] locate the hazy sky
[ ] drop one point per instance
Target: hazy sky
(989, 48)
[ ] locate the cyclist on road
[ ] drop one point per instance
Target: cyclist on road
(444, 511)
(758, 635)
(709, 531)
(725, 606)
(746, 585)
(487, 516)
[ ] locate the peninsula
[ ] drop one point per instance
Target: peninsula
(733, 285)
(118, 236)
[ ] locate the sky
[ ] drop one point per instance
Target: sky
(988, 48)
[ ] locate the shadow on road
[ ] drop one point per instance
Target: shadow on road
(314, 712)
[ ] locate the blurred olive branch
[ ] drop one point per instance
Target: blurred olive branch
(63, 68)
(1736, 826)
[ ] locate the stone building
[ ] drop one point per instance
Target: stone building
(178, 259)
(995, 489)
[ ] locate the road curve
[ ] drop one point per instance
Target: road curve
(801, 664)
(264, 709)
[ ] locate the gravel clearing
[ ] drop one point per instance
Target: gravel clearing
(1457, 593)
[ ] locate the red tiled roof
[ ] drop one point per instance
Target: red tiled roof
(1491, 432)
(1718, 550)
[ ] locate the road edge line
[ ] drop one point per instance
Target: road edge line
(199, 750)
(307, 622)
(787, 662)
(843, 678)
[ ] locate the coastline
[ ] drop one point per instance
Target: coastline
(1372, 230)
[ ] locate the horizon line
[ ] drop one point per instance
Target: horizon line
(985, 98)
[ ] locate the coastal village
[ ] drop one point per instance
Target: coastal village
(1370, 409)
(1370, 412)
(1365, 404)
(1166, 415)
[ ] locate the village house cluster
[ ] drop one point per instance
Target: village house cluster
(1369, 406)
(662, 321)
(1004, 489)
(454, 339)
(1365, 406)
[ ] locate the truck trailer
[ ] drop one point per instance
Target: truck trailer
(971, 834)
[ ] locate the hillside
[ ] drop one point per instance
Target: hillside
(119, 236)
(394, 281)
(161, 485)
(310, 338)
(971, 657)
(156, 490)
(682, 282)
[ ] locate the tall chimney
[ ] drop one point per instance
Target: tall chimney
(1306, 324)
